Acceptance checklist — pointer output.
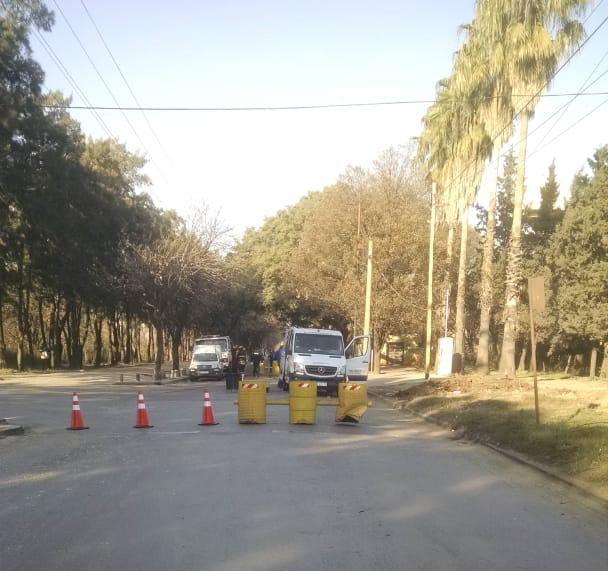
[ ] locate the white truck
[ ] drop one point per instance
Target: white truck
(223, 343)
(319, 355)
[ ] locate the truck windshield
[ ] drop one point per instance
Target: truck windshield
(318, 344)
(221, 343)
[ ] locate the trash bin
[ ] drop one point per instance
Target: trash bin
(302, 402)
(252, 402)
(352, 402)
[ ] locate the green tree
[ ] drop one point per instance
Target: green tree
(536, 35)
(579, 258)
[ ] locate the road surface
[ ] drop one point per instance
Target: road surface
(392, 493)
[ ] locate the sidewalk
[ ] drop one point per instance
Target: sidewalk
(393, 379)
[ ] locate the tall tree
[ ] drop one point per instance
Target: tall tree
(579, 259)
(536, 35)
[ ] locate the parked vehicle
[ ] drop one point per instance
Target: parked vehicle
(206, 363)
(319, 355)
(222, 342)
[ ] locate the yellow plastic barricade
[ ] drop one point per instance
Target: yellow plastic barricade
(252, 402)
(302, 402)
(352, 402)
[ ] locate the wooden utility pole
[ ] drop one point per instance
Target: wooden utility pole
(429, 295)
(536, 297)
(368, 290)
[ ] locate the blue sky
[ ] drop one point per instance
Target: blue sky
(249, 53)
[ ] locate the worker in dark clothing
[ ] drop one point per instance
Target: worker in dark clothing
(256, 359)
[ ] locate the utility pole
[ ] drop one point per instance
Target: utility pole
(429, 295)
(368, 290)
(358, 267)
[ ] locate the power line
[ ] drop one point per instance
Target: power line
(99, 73)
(304, 107)
(584, 86)
(565, 107)
(103, 41)
(57, 60)
(537, 150)
(111, 92)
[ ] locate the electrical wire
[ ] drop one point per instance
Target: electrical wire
(57, 61)
(537, 150)
(135, 132)
(564, 107)
(98, 73)
(585, 85)
(304, 107)
(103, 41)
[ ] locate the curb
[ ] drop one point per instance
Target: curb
(553, 473)
(150, 383)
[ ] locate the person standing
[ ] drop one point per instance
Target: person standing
(256, 359)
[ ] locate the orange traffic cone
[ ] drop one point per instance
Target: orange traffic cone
(77, 421)
(142, 413)
(207, 419)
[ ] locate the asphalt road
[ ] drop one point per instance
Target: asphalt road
(392, 493)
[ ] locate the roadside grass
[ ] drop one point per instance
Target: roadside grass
(572, 436)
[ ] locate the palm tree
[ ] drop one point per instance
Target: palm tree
(534, 35)
(455, 144)
(481, 78)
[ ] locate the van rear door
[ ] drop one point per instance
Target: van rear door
(358, 353)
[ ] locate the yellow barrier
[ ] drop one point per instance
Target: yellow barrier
(302, 402)
(352, 402)
(252, 402)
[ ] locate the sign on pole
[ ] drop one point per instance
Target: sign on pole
(536, 288)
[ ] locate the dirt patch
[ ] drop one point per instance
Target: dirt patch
(572, 436)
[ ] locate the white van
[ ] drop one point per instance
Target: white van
(224, 344)
(206, 363)
(319, 355)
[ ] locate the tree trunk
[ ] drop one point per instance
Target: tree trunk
(176, 339)
(74, 341)
(52, 331)
(158, 362)
(43, 338)
(28, 317)
(128, 343)
(98, 343)
(458, 357)
(522, 360)
(604, 369)
(507, 356)
(27, 322)
(114, 340)
(137, 348)
(2, 340)
(149, 347)
(593, 363)
(20, 303)
(483, 348)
